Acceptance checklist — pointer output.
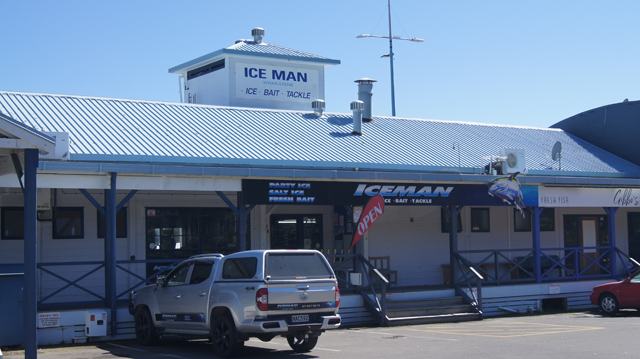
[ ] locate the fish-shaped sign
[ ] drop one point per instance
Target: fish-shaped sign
(508, 190)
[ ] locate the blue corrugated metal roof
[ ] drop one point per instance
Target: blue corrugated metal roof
(127, 131)
(248, 47)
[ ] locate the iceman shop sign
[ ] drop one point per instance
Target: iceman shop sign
(358, 193)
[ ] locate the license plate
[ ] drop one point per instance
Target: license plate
(300, 318)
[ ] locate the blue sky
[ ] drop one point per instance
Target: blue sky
(505, 62)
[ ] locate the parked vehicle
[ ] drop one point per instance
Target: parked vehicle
(261, 293)
(611, 297)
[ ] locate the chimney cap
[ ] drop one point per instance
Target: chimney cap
(258, 34)
(365, 81)
(317, 104)
(357, 105)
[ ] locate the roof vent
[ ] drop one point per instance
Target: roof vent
(357, 107)
(258, 34)
(318, 107)
(365, 86)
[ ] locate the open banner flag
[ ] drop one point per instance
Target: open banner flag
(371, 212)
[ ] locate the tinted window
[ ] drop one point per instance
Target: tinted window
(201, 271)
(68, 223)
(12, 223)
(179, 275)
(296, 266)
(479, 219)
(239, 268)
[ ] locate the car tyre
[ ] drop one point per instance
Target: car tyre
(145, 330)
(609, 304)
(225, 338)
(302, 343)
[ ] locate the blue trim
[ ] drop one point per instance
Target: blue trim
(145, 168)
(228, 202)
(604, 178)
(125, 200)
(30, 253)
(93, 201)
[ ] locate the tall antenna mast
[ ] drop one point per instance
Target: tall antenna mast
(390, 56)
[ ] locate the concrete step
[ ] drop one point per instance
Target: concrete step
(431, 319)
(424, 303)
(429, 311)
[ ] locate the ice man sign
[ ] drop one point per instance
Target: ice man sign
(276, 83)
(370, 214)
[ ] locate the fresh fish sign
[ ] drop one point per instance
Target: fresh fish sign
(371, 212)
(508, 190)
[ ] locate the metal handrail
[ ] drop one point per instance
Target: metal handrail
(629, 269)
(69, 282)
(146, 280)
(380, 305)
(474, 299)
(569, 261)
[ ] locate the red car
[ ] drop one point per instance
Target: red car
(611, 297)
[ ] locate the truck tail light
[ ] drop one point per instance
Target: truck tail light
(337, 297)
(262, 299)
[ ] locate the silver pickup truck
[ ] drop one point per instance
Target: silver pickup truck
(260, 293)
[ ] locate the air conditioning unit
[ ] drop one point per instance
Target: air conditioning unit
(515, 160)
(62, 147)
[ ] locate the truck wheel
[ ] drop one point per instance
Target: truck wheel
(145, 330)
(224, 337)
(301, 342)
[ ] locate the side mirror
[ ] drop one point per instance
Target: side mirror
(160, 280)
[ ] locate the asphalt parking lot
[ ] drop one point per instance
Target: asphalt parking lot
(566, 335)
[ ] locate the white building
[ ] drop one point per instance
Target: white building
(241, 164)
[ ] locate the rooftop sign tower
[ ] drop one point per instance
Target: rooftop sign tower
(253, 73)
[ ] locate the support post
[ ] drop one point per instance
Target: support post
(611, 213)
(242, 232)
(242, 212)
(110, 251)
(453, 212)
(535, 221)
(30, 254)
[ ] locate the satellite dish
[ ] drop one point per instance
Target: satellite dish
(556, 151)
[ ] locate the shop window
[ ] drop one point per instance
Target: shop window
(524, 224)
(480, 220)
(68, 223)
(12, 222)
(548, 220)
(178, 233)
(121, 224)
(445, 221)
(521, 221)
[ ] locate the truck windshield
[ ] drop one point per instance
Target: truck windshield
(296, 266)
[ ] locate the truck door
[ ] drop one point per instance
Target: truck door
(182, 302)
